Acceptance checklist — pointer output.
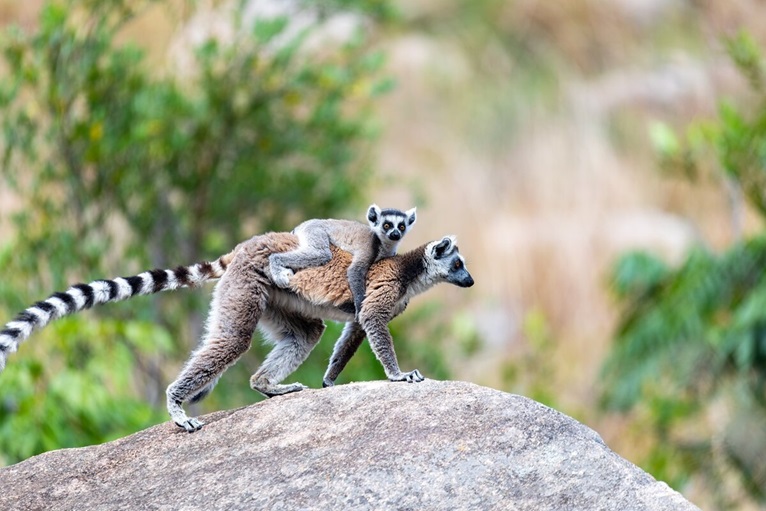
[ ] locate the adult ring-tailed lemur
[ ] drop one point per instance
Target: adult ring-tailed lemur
(246, 297)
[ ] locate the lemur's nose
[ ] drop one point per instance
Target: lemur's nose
(395, 235)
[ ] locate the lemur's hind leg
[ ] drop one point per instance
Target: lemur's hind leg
(234, 313)
(294, 336)
(313, 250)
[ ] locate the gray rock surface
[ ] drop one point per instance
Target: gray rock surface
(375, 445)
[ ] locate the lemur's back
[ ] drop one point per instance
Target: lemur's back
(347, 235)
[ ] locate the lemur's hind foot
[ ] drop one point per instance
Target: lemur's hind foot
(272, 389)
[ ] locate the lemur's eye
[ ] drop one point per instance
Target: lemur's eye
(386, 226)
(402, 227)
(457, 264)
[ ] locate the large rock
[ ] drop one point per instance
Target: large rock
(377, 445)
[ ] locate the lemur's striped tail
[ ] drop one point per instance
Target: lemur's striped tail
(84, 296)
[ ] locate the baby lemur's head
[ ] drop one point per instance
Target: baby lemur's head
(390, 225)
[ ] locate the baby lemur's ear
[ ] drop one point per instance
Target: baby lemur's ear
(411, 215)
(373, 214)
(443, 247)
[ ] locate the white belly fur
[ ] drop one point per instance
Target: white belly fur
(290, 301)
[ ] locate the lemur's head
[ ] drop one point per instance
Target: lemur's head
(444, 262)
(390, 225)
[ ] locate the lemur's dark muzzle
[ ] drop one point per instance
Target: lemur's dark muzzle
(395, 236)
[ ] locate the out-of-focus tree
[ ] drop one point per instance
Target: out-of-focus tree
(689, 358)
(119, 167)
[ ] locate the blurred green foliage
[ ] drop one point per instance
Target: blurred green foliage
(691, 340)
(118, 167)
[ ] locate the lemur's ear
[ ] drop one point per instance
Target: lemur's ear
(411, 215)
(373, 214)
(444, 247)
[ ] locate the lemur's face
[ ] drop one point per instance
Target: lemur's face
(445, 262)
(393, 227)
(390, 224)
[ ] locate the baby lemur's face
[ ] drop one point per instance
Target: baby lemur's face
(390, 224)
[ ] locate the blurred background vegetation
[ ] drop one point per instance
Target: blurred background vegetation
(607, 158)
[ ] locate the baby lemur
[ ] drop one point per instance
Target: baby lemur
(291, 318)
(366, 245)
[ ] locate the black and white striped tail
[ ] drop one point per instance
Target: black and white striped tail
(84, 296)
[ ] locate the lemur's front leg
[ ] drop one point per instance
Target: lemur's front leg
(378, 309)
(345, 347)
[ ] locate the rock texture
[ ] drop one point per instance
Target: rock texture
(376, 445)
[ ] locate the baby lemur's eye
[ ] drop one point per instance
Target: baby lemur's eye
(457, 264)
(402, 227)
(386, 226)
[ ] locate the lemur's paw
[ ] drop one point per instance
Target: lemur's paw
(191, 425)
(282, 277)
(411, 377)
(271, 390)
(327, 382)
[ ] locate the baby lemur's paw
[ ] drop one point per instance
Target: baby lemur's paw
(411, 377)
(327, 382)
(282, 277)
